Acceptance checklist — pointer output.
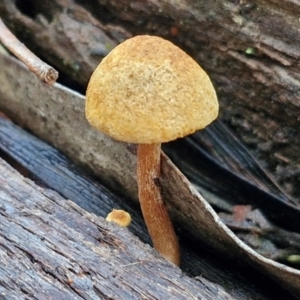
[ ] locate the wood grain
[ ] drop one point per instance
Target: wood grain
(52, 249)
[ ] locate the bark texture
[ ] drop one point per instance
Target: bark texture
(53, 249)
(49, 167)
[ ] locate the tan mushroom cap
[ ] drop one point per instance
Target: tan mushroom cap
(147, 90)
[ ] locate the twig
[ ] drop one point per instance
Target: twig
(42, 70)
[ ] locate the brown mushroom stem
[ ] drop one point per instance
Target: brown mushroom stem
(153, 208)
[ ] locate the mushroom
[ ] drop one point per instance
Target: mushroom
(120, 217)
(148, 91)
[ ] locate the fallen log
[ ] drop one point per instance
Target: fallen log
(50, 248)
(50, 168)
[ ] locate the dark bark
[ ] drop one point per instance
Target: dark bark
(250, 50)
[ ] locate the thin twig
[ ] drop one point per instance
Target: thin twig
(42, 70)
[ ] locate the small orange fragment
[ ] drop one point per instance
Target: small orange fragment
(120, 217)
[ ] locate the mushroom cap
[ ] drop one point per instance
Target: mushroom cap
(120, 217)
(147, 90)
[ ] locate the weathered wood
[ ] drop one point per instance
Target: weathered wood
(250, 50)
(50, 167)
(52, 249)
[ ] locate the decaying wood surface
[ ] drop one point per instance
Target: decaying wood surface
(48, 166)
(52, 249)
(250, 50)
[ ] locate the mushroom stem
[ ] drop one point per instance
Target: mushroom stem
(153, 208)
